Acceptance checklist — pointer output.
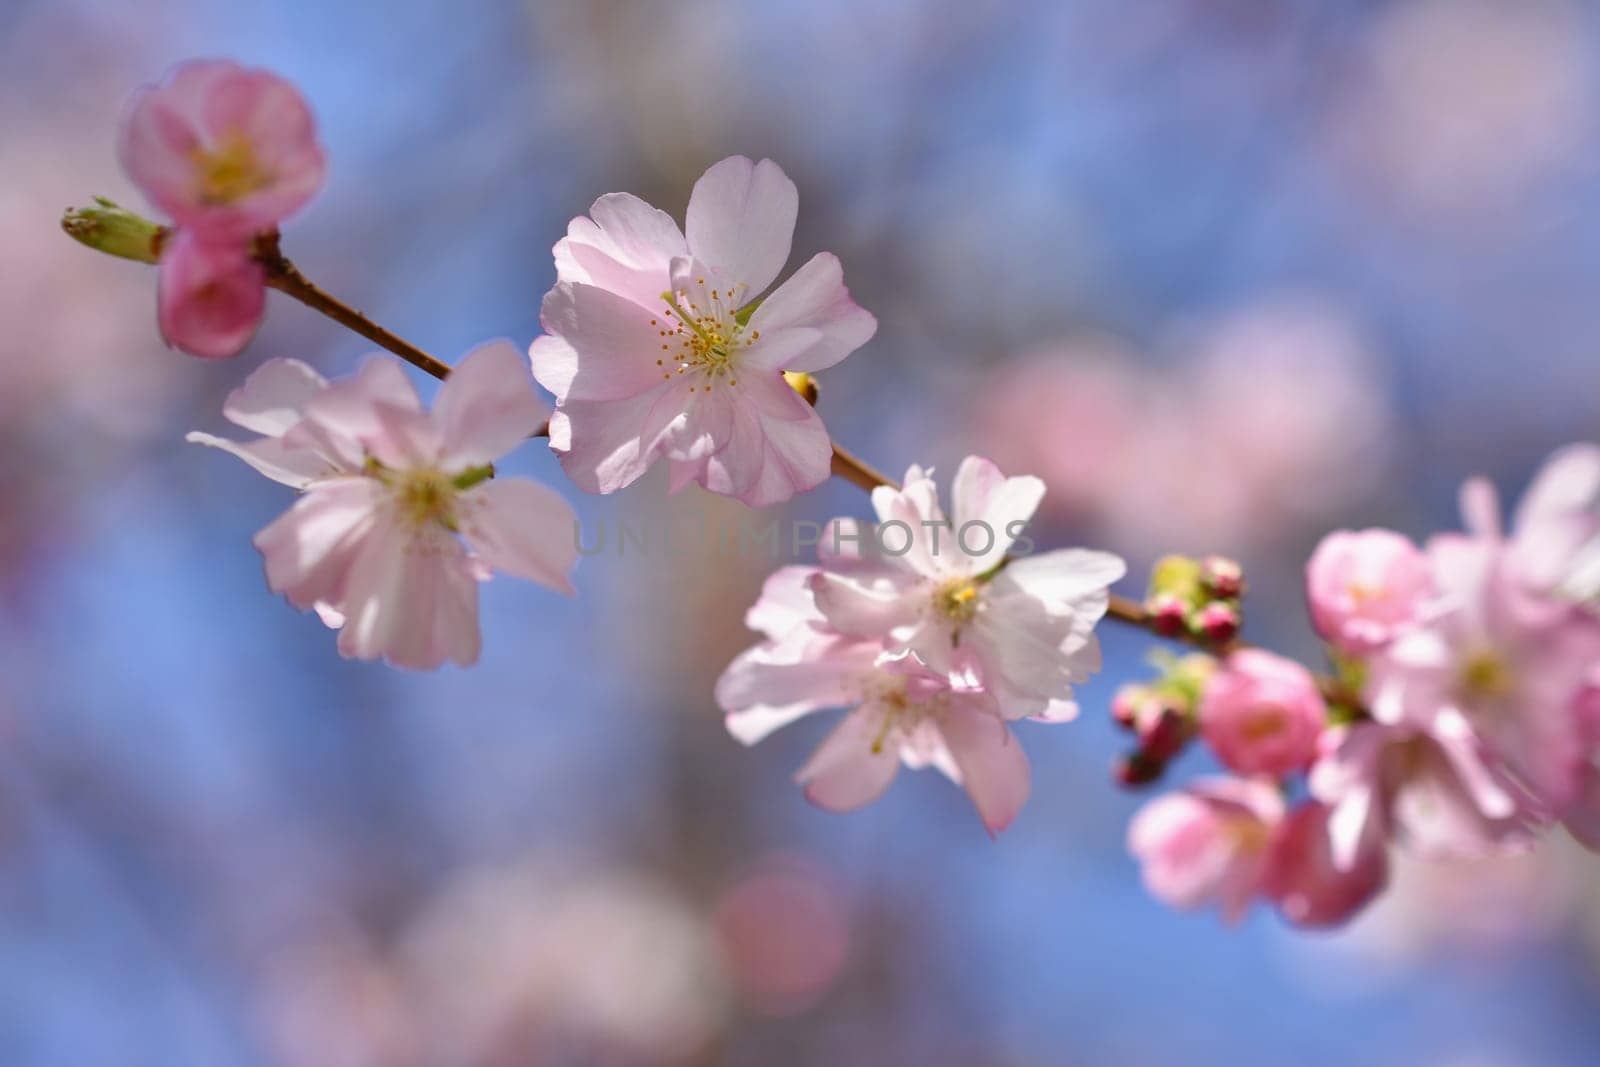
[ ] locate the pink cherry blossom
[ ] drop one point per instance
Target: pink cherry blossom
(1262, 714)
(1309, 888)
(947, 591)
(900, 711)
(225, 150)
(1209, 843)
(659, 343)
(372, 544)
(1436, 790)
(210, 297)
(1516, 666)
(1364, 587)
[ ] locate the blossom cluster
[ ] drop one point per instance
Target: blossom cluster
(1462, 720)
(936, 649)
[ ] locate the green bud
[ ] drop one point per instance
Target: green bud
(114, 230)
(1179, 577)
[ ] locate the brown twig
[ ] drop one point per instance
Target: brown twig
(285, 277)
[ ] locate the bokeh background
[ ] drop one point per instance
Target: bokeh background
(1227, 273)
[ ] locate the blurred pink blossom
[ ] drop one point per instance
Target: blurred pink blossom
(226, 151)
(785, 933)
(1262, 714)
(1363, 587)
(1209, 843)
(1305, 882)
(1434, 789)
(1265, 420)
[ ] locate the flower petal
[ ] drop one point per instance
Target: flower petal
(994, 769)
(308, 550)
(741, 220)
(411, 599)
(487, 406)
(522, 528)
(814, 300)
(851, 767)
(613, 348)
(296, 467)
(624, 245)
(273, 398)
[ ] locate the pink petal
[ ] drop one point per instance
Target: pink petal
(354, 415)
(487, 407)
(611, 345)
(813, 299)
(1480, 508)
(851, 767)
(522, 528)
(605, 446)
(785, 602)
(308, 550)
(297, 467)
(797, 453)
(860, 609)
(994, 769)
(741, 220)
(411, 598)
(274, 397)
(625, 246)
(210, 297)
(999, 505)
(773, 684)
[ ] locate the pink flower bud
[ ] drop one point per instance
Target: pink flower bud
(1125, 705)
(1364, 588)
(210, 297)
(1223, 578)
(1309, 887)
(1217, 622)
(1262, 714)
(1168, 614)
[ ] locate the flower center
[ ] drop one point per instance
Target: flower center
(1486, 676)
(957, 599)
(702, 338)
(1263, 723)
(426, 495)
(229, 171)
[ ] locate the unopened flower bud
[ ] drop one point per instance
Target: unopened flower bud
(802, 383)
(1125, 705)
(114, 230)
(1217, 622)
(1221, 577)
(1136, 769)
(1168, 614)
(1165, 734)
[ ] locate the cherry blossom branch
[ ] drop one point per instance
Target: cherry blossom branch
(285, 277)
(112, 229)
